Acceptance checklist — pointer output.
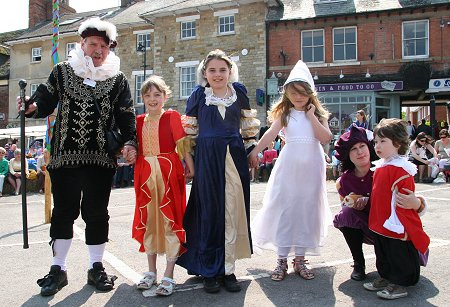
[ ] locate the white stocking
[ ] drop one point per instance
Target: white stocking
(60, 250)
(96, 253)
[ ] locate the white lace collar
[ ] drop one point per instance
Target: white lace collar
(221, 103)
(399, 161)
(84, 67)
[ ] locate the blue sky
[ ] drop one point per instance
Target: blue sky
(14, 17)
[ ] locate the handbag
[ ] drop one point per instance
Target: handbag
(114, 139)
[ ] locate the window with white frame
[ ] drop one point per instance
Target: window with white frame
(33, 88)
(415, 39)
(139, 79)
(143, 39)
(226, 21)
(36, 54)
(69, 47)
(344, 44)
(313, 46)
(188, 29)
(226, 24)
(187, 80)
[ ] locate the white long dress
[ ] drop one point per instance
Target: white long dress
(295, 212)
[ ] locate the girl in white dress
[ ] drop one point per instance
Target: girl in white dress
(295, 212)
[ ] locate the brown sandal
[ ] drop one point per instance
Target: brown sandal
(280, 271)
(301, 269)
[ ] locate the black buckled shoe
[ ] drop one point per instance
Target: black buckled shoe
(54, 281)
(231, 284)
(359, 272)
(98, 277)
(211, 285)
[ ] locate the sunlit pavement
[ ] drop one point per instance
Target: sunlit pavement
(331, 287)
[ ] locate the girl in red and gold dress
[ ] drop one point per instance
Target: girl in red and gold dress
(159, 183)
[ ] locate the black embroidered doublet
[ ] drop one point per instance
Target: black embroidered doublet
(79, 134)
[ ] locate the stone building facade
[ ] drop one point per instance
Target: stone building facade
(158, 25)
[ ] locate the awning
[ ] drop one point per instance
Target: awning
(34, 131)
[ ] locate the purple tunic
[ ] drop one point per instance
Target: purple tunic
(349, 217)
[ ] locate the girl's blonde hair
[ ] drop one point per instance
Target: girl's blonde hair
(216, 55)
(283, 106)
(156, 82)
(395, 130)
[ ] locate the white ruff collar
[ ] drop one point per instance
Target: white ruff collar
(399, 161)
(221, 103)
(84, 67)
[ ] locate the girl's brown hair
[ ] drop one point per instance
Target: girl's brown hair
(361, 112)
(283, 106)
(395, 130)
(156, 82)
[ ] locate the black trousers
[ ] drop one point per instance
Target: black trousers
(397, 261)
(87, 188)
(354, 239)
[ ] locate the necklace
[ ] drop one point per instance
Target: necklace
(225, 96)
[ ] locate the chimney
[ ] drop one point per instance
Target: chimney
(42, 11)
(125, 3)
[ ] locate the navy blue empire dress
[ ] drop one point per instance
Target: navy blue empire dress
(204, 220)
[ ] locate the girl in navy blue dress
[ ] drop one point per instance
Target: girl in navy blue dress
(217, 217)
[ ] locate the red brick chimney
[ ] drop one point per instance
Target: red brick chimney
(42, 11)
(125, 3)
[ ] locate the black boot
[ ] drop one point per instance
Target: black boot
(359, 272)
(231, 284)
(211, 285)
(98, 277)
(54, 281)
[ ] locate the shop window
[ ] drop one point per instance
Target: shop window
(313, 46)
(415, 39)
(344, 44)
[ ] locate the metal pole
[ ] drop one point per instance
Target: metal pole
(23, 175)
(145, 57)
(432, 116)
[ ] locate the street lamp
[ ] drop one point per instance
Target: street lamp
(143, 48)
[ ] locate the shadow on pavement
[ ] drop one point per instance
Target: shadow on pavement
(417, 295)
(296, 291)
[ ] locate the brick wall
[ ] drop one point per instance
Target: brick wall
(379, 34)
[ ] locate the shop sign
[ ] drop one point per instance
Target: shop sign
(362, 86)
(439, 84)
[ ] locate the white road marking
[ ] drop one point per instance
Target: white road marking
(115, 262)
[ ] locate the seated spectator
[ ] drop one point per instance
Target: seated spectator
(31, 162)
(4, 165)
(124, 174)
(268, 160)
(442, 147)
(15, 167)
(41, 167)
(10, 152)
(419, 148)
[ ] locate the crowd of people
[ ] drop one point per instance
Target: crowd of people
(11, 166)
(214, 143)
